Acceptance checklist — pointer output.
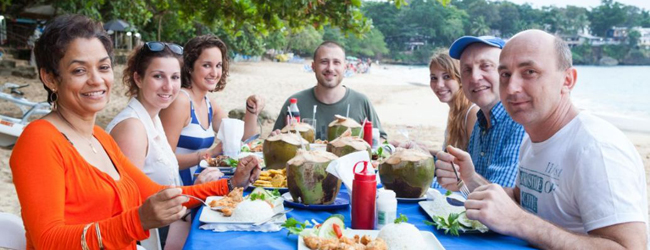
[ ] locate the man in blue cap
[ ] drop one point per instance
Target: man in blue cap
(494, 143)
(581, 181)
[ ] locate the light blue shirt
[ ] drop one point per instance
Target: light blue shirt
(495, 150)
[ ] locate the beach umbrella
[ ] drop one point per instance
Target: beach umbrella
(116, 25)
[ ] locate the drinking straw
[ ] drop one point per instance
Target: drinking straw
(302, 144)
(313, 117)
(362, 126)
(347, 113)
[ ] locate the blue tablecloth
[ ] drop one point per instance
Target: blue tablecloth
(204, 239)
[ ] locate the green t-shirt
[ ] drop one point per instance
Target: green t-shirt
(360, 108)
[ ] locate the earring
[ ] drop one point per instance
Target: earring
(54, 97)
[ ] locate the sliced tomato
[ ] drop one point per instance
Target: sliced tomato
(337, 230)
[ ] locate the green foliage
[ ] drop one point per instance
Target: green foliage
(305, 41)
(401, 218)
(608, 14)
(295, 227)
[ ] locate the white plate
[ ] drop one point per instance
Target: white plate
(210, 216)
(440, 207)
(430, 239)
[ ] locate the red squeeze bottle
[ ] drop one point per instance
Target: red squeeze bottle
(367, 132)
(364, 194)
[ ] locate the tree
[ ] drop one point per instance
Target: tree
(633, 38)
(605, 16)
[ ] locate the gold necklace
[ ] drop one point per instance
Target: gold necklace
(90, 143)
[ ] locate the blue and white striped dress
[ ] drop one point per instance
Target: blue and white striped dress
(194, 138)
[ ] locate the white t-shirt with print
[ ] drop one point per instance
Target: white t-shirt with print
(586, 176)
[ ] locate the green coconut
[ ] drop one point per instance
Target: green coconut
(308, 180)
(408, 172)
(340, 125)
(346, 143)
(280, 148)
(305, 130)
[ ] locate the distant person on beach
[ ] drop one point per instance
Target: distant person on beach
(495, 140)
(330, 96)
(152, 77)
(581, 182)
(76, 188)
(192, 120)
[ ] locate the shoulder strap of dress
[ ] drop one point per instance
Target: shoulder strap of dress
(209, 104)
(189, 97)
(467, 114)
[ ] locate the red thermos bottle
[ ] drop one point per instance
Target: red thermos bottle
(364, 194)
(367, 132)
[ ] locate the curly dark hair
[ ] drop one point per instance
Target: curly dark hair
(191, 53)
(139, 61)
(58, 34)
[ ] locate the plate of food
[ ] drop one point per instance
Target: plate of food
(272, 179)
(332, 232)
(237, 209)
(450, 218)
(254, 146)
(342, 201)
(226, 164)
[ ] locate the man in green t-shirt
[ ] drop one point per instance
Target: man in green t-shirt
(330, 96)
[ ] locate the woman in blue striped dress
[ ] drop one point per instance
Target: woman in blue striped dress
(192, 120)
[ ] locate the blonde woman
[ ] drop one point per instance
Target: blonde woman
(445, 83)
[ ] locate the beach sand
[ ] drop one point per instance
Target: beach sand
(401, 99)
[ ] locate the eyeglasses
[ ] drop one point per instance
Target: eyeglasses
(160, 46)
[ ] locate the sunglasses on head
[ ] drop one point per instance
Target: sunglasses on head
(160, 46)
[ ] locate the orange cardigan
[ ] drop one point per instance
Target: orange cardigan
(60, 193)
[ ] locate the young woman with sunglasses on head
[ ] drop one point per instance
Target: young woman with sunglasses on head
(75, 186)
(192, 120)
(152, 77)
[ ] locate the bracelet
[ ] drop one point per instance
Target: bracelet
(249, 108)
(229, 182)
(84, 244)
(99, 236)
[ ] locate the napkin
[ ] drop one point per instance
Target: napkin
(268, 227)
(343, 167)
(230, 133)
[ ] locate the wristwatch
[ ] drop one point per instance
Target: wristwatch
(230, 187)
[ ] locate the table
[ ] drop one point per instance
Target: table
(205, 239)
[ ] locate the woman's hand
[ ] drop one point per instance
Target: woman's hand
(255, 104)
(208, 175)
(248, 170)
(162, 208)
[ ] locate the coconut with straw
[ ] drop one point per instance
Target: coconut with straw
(280, 148)
(306, 131)
(308, 180)
(408, 172)
(340, 125)
(346, 143)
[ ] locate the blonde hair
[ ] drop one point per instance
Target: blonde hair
(456, 128)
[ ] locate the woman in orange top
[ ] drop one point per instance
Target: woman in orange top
(76, 188)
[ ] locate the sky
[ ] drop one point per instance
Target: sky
(643, 4)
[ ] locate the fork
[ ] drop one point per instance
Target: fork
(461, 185)
(204, 203)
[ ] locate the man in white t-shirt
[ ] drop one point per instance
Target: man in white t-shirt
(581, 183)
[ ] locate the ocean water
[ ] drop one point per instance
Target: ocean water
(620, 91)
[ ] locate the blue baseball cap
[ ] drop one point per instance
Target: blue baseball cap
(460, 44)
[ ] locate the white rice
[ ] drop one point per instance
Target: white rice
(252, 211)
(402, 236)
